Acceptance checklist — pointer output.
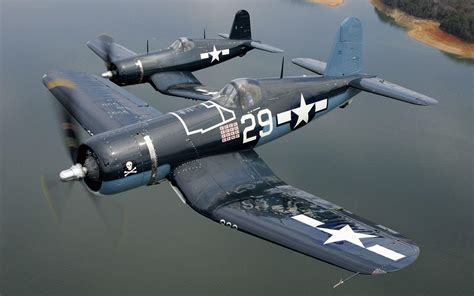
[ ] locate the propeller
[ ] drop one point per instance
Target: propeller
(107, 42)
(57, 193)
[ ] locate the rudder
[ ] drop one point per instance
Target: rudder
(241, 26)
(346, 55)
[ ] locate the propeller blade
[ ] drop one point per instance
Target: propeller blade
(69, 132)
(107, 41)
(113, 216)
(56, 194)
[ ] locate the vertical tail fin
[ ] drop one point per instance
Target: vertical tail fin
(241, 26)
(346, 55)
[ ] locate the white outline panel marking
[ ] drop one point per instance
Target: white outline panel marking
(203, 131)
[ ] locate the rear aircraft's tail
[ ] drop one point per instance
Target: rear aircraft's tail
(346, 59)
(241, 31)
(346, 55)
(241, 26)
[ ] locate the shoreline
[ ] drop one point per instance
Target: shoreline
(427, 32)
(330, 3)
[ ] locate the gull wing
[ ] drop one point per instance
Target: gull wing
(181, 84)
(96, 103)
(239, 190)
(100, 46)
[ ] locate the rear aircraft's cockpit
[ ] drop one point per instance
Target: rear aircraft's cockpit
(182, 44)
(243, 93)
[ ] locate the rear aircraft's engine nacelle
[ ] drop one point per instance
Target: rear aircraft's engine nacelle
(118, 161)
(127, 72)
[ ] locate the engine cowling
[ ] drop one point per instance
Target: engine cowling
(127, 72)
(118, 161)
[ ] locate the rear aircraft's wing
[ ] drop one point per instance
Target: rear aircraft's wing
(240, 191)
(181, 84)
(96, 103)
(373, 85)
(117, 51)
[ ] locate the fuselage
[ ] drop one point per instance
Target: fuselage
(183, 55)
(245, 114)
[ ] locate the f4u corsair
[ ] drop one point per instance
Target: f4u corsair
(169, 70)
(206, 153)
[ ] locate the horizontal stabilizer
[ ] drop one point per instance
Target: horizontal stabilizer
(315, 66)
(384, 88)
(265, 47)
(224, 35)
(181, 84)
(373, 85)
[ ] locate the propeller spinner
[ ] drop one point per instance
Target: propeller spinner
(74, 173)
(107, 42)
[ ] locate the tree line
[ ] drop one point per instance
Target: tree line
(455, 16)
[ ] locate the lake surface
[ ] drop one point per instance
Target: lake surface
(407, 167)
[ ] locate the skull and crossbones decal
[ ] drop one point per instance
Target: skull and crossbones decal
(129, 169)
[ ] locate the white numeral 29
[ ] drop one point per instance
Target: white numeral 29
(264, 118)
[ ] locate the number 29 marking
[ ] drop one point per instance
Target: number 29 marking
(264, 118)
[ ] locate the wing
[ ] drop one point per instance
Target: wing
(241, 191)
(117, 51)
(181, 84)
(96, 103)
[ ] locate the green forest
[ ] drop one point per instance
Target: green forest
(455, 16)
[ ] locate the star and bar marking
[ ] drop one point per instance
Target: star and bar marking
(214, 54)
(347, 234)
(302, 112)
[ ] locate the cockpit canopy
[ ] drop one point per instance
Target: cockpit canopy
(244, 93)
(182, 44)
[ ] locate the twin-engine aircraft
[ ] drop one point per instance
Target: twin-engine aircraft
(206, 153)
(169, 70)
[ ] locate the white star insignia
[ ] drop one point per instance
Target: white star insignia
(215, 54)
(302, 111)
(345, 234)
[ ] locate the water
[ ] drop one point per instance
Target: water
(407, 167)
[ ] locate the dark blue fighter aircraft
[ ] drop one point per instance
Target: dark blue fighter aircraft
(206, 153)
(167, 70)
